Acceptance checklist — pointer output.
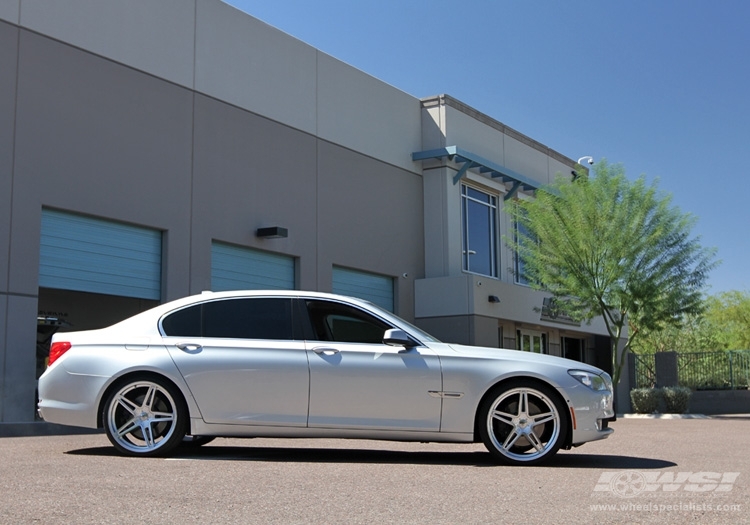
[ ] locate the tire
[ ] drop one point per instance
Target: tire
(523, 423)
(145, 416)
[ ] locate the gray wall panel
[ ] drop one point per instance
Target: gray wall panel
(101, 139)
(251, 172)
(10, 10)
(248, 63)
(156, 37)
(370, 219)
(18, 398)
(8, 61)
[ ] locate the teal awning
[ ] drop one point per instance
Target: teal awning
(472, 161)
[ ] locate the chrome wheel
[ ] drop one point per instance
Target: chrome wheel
(144, 417)
(522, 424)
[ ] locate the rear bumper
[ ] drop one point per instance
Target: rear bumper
(67, 400)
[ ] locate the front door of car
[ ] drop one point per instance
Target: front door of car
(240, 361)
(357, 382)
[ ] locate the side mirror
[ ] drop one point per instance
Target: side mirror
(396, 337)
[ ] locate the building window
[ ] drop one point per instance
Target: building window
(532, 341)
(479, 225)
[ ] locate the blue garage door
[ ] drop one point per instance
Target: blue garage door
(99, 256)
(237, 268)
(377, 289)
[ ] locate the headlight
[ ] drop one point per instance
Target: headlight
(591, 380)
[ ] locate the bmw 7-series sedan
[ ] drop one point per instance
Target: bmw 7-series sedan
(313, 365)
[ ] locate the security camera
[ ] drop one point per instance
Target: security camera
(587, 158)
(591, 161)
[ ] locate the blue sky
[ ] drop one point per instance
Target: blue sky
(662, 87)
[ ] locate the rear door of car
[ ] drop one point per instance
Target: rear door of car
(241, 361)
(357, 382)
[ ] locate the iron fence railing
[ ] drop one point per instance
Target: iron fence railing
(699, 370)
(714, 370)
(644, 366)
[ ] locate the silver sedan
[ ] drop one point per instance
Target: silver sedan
(305, 364)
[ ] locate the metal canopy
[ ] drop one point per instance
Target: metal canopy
(471, 161)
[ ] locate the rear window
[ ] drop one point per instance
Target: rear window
(246, 318)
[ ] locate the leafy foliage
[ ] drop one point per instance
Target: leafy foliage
(729, 312)
(724, 325)
(676, 399)
(605, 246)
(694, 333)
(645, 400)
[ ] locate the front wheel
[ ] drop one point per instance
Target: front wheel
(523, 423)
(145, 417)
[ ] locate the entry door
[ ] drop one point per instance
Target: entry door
(358, 382)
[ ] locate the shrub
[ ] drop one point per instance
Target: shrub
(676, 399)
(645, 400)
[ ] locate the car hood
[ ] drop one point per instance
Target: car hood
(517, 355)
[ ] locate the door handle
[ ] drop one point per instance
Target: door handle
(189, 347)
(325, 350)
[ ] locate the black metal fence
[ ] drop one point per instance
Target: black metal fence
(699, 370)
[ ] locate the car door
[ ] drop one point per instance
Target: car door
(240, 360)
(357, 382)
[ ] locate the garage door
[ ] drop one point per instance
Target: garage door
(377, 289)
(94, 255)
(238, 268)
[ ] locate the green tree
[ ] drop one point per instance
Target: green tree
(729, 312)
(605, 246)
(695, 333)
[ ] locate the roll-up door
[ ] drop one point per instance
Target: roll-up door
(377, 289)
(238, 268)
(94, 255)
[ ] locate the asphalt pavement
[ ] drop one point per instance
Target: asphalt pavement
(648, 471)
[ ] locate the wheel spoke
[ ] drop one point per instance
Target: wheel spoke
(148, 434)
(534, 440)
(127, 428)
(127, 404)
(158, 417)
(523, 403)
(503, 417)
(148, 401)
(540, 419)
(511, 440)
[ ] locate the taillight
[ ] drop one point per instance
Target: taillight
(58, 349)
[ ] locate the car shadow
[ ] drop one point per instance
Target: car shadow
(477, 458)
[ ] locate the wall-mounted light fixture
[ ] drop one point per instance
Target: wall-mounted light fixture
(493, 299)
(274, 232)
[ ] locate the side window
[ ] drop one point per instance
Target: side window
(184, 323)
(248, 318)
(344, 324)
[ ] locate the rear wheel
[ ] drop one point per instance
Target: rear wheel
(523, 423)
(145, 417)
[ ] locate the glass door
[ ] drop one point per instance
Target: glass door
(532, 341)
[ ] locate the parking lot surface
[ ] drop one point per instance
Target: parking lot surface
(648, 471)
